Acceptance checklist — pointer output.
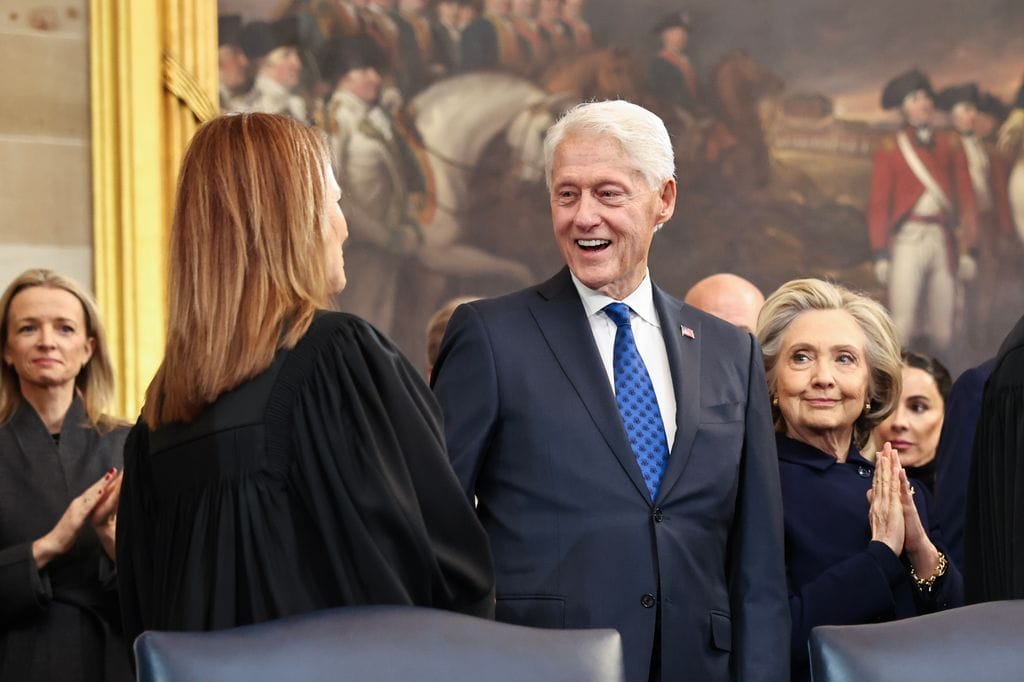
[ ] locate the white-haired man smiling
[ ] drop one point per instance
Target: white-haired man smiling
(619, 442)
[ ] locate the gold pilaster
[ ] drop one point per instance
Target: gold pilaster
(139, 130)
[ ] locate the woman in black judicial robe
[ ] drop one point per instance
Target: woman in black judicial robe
(59, 617)
(993, 551)
(288, 458)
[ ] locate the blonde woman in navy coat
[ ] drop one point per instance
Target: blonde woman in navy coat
(860, 545)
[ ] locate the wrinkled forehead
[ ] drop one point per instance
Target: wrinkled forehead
(590, 148)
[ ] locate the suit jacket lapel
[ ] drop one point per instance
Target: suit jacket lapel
(684, 363)
(562, 320)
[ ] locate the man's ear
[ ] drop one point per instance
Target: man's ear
(667, 199)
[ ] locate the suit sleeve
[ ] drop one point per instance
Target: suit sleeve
(948, 591)
(24, 589)
(757, 589)
(953, 459)
(466, 384)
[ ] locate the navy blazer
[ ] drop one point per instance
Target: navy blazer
(953, 456)
(534, 433)
(837, 575)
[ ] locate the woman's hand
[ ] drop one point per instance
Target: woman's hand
(104, 516)
(886, 511)
(922, 553)
(62, 538)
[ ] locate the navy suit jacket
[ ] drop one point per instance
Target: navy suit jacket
(953, 456)
(533, 431)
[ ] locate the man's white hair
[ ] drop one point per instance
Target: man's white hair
(640, 134)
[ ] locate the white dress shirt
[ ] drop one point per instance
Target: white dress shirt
(649, 342)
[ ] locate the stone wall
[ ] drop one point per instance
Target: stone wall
(45, 210)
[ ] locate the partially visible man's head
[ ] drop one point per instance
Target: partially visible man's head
(911, 92)
(729, 297)
(992, 111)
(354, 64)
(610, 172)
(232, 62)
(447, 11)
(674, 31)
(274, 48)
(436, 327)
(961, 101)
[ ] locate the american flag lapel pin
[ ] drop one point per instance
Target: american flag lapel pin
(686, 331)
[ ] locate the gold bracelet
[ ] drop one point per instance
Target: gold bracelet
(926, 584)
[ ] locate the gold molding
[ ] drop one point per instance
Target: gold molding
(139, 130)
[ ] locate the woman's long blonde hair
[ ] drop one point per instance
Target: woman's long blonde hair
(94, 383)
(247, 264)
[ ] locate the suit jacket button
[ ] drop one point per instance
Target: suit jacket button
(647, 601)
(658, 515)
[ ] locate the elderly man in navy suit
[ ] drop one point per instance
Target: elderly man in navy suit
(619, 442)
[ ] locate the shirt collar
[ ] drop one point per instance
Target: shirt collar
(641, 301)
(797, 452)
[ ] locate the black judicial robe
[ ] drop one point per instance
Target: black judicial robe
(322, 482)
(994, 530)
(61, 622)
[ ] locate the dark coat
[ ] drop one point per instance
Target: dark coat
(534, 432)
(61, 622)
(670, 79)
(953, 456)
(994, 534)
(837, 575)
(479, 46)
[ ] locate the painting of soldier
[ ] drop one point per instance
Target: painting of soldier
(922, 217)
(806, 144)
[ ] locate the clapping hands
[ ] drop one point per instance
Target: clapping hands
(98, 506)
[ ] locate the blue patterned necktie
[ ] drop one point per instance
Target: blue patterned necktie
(638, 405)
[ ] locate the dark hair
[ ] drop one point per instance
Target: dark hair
(935, 369)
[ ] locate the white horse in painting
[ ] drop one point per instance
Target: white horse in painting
(457, 118)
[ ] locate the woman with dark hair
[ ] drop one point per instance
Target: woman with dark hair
(288, 458)
(59, 616)
(860, 547)
(915, 424)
